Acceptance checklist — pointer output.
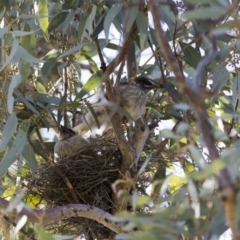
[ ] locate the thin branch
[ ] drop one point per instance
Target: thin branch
(65, 85)
(123, 52)
(103, 64)
(140, 137)
(126, 149)
(64, 212)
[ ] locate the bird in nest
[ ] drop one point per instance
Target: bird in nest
(133, 99)
(69, 144)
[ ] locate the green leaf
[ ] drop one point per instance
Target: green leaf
(98, 28)
(192, 190)
(142, 24)
(15, 47)
(3, 31)
(168, 17)
(29, 155)
(91, 17)
(205, 13)
(182, 127)
(197, 157)
(121, 111)
(56, 21)
(25, 69)
(10, 156)
(16, 80)
(70, 4)
(72, 50)
(40, 88)
(211, 169)
(94, 116)
(68, 20)
(48, 65)
(22, 53)
(92, 64)
(43, 12)
(220, 76)
(166, 133)
(8, 130)
(191, 55)
(59, 112)
(93, 82)
(18, 33)
(182, 106)
(23, 99)
(133, 12)
(81, 28)
(42, 234)
(111, 15)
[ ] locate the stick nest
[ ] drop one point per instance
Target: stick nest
(91, 173)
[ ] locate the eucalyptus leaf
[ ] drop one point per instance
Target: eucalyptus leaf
(23, 99)
(93, 82)
(81, 27)
(3, 31)
(8, 130)
(71, 51)
(91, 17)
(220, 76)
(191, 55)
(205, 13)
(133, 13)
(22, 53)
(43, 12)
(15, 47)
(70, 4)
(16, 80)
(29, 155)
(12, 155)
(111, 14)
(56, 21)
(18, 33)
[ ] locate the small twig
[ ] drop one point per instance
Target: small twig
(103, 64)
(233, 119)
(43, 145)
(160, 64)
(65, 94)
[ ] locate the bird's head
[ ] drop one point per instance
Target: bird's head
(145, 84)
(66, 132)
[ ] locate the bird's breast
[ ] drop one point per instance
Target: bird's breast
(134, 101)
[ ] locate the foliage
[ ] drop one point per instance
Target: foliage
(48, 47)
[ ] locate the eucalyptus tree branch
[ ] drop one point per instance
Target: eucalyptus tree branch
(45, 216)
(198, 105)
(140, 137)
(124, 146)
(128, 152)
(123, 51)
(103, 64)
